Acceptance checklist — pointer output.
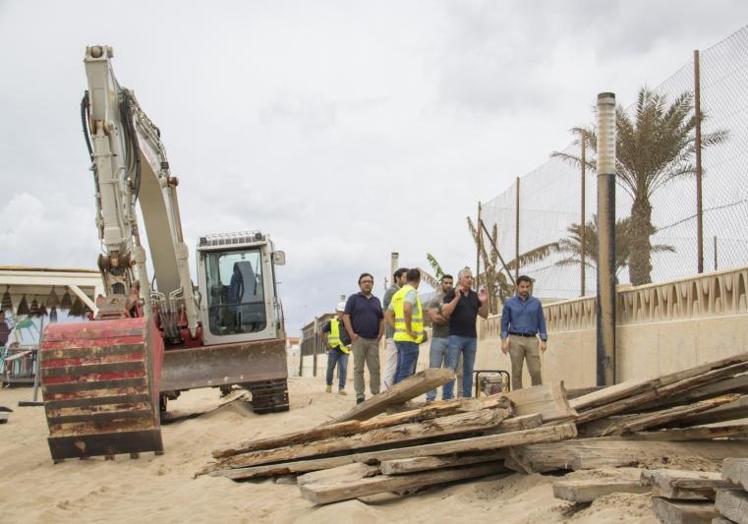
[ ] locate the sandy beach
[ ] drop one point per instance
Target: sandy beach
(162, 488)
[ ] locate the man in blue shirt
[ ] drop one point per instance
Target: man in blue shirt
(522, 321)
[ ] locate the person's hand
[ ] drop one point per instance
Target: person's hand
(354, 338)
(505, 346)
(543, 345)
(482, 295)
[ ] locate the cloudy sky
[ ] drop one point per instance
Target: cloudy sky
(346, 129)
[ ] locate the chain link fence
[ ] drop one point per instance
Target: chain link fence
(550, 197)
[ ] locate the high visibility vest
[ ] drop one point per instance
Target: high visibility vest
(333, 339)
(416, 321)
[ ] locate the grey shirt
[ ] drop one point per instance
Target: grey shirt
(438, 330)
(389, 331)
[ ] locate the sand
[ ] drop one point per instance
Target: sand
(162, 488)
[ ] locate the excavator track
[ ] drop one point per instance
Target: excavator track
(269, 396)
(100, 387)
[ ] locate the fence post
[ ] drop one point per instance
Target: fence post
(516, 236)
(697, 146)
(606, 255)
(478, 241)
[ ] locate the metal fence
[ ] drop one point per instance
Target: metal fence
(549, 198)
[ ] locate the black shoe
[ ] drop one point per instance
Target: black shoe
(359, 400)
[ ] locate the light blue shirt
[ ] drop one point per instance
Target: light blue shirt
(524, 317)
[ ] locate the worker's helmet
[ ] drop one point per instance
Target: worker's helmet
(341, 307)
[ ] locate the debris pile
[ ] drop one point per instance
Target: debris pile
(656, 423)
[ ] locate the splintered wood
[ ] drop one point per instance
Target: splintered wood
(652, 423)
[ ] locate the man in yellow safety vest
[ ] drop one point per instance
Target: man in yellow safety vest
(405, 314)
(338, 347)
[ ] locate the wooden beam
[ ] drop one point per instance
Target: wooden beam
(416, 464)
(735, 410)
(284, 468)
(736, 471)
(590, 489)
(698, 433)
(409, 388)
(737, 384)
(732, 504)
(344, 474)
(350, 427)
(453, 425)
(683, 484)
(334, 491)
(682, 512)
(612, 452)
(630, 423)
(549, 400)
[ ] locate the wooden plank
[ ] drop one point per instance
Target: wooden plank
(341, 474)
(737, 384)
(612, 452)
(325, 493)
(683, 512)
(722, 520)
(666, 391)
(453, 425)
(409, 388)
(284, 468)
(350, 427)
(631, 423)
(732, 504)
(735, 410)
(683, 484)
(590, 489)
(698, 433)
(519, 423)
(416, 464)
(549, 400)
(736, 471)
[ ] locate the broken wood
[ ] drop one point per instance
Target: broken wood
(409, 388)
(453, 425)
(732, 504)
(334, 491)
(698, 433)
(351, 427)
(683, 512)
(549, 400)
(416, 464)
(736, 410)
(630, 423)
(683, 484)
(736, 471)
(347, 473)
(738, 384)
(589, 489)
(612, 452)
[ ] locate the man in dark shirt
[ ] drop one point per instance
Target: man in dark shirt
(522, 321)
(440, 330)
(364, 321)
(462, 307)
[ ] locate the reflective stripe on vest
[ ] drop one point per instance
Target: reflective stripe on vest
(333, 339)
(416, 321)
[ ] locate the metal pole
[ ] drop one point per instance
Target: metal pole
(697, 145)
(715, 252)
(394, 261)
(316, 347)
(583, 231)
(498, 253)
(606, 213)
(478, 241)
(516, 236)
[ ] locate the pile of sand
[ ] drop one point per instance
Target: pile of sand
(162, 489)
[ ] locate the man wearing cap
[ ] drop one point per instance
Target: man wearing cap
(338, 345)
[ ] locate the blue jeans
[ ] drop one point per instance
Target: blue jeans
(335, 356)
(467, 346)
(407, 355)
(437, 358)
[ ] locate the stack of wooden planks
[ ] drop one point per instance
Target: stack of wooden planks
(366, 452)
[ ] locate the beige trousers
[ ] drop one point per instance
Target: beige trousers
(365, 351)
(521, 349)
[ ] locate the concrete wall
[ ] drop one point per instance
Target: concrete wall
(661, 328)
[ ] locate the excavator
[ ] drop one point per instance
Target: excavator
(106, 382)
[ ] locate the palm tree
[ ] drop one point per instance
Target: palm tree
(654, 148)
(571, 246)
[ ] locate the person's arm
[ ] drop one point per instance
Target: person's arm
(506, 314)
(381, 321)
(408, 314)
(483, 299)
(450, 303)
(389, 316)
(436, 317)
(542, 330)
(349, 327)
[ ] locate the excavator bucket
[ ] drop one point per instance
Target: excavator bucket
(100, 387)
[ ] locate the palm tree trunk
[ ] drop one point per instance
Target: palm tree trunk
(640, 263)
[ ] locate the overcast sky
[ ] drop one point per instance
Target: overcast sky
(346, 130)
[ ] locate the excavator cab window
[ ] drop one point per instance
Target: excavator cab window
(236, 298)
